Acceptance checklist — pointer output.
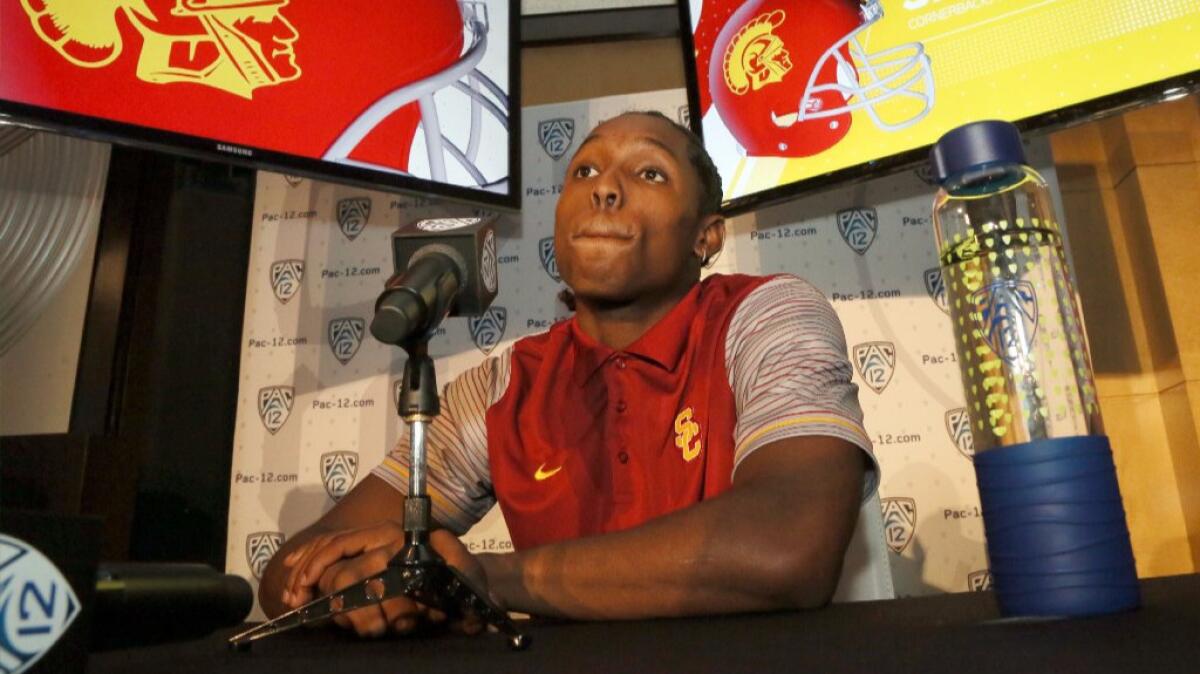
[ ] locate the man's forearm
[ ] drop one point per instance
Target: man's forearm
(747, 550)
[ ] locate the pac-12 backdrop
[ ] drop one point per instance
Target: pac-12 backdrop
(316, 408)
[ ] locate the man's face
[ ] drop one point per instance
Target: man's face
(626, 223)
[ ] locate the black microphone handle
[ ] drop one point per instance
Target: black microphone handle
(142, 603)
(418, 301)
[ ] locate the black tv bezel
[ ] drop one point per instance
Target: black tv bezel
(1050, 120)
(199, 147)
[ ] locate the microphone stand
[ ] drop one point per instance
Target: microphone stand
(417, 571)
(430, 580)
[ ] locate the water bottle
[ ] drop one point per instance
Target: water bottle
(1057, 540)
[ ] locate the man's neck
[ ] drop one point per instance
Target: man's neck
(619, 324)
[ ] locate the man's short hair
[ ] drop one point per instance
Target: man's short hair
(698, 157)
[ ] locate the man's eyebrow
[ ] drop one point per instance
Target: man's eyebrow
(644, 139)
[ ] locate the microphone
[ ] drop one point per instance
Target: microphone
(138, 604)
(444, 267)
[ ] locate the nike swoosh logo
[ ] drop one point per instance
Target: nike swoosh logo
(542, 474)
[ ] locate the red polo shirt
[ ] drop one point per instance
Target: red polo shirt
(573, 438)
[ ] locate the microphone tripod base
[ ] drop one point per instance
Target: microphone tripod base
(416, 572)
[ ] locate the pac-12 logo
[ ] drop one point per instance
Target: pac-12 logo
(548, 258)
(285, 278)
(352, 215)
(935, 285)
(979, 581)
(487, 330)
(338, 470)
(899, 522)
(274, 406)
(875, 362)
(1008, 313)
(261, 546)
(556, 135)
(345, 336)
(37, 605)
(958, 426)
(292, 180)
(489, 273)
(858, 227)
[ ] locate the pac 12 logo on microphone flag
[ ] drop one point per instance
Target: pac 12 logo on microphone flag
(37, 605)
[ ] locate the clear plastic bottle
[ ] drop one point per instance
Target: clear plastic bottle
(1058, 543)
(1027, 374)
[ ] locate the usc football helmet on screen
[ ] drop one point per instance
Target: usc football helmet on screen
(785, 76)
(349, 81)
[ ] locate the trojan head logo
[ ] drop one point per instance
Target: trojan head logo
(285, 278)
(755, 56)
(979, 581)
(899, 522)
(236, 46)
(261, 546)
(549, 261)
(338, 470)
(292, 180)
(935, 285)
(958, 426)
(345, 336)
(352, 215)
(37, 605)
(858, 227)
(487, 330)
(555, 135)
(1008, 313)
(875, 362)
(687, 435)
(274, 406)
(684, 115)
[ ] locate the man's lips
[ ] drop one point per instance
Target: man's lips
(602, 231)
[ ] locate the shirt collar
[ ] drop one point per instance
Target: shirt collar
(663, 344)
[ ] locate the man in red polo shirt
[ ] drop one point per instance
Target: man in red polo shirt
(676, 448)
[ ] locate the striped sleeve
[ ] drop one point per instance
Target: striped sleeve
(458, 481)
(785, 353)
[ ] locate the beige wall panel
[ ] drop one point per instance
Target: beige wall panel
(1146, 473)
(576, 72)
(1181, 414)
(1167, 133)
(1171, 203)
(1148, 283)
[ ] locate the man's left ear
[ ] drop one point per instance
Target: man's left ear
(711, 239)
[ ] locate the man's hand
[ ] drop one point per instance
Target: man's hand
(334, 560)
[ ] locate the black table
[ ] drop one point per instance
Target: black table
(959, 634)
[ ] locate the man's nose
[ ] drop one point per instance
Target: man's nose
(606, 193)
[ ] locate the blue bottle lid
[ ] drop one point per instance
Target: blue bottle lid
(973, 145)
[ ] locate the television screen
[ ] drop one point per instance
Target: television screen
(792, 94)
(415, 96)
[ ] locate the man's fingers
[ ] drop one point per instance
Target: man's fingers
(305, 552)
(336, 548)
(399, 609)
(367, 621)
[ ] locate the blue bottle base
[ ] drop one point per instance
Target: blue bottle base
(1057, 539)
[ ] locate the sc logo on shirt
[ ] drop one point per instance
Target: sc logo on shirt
(687, 435)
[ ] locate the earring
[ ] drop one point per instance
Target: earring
(703, 257)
